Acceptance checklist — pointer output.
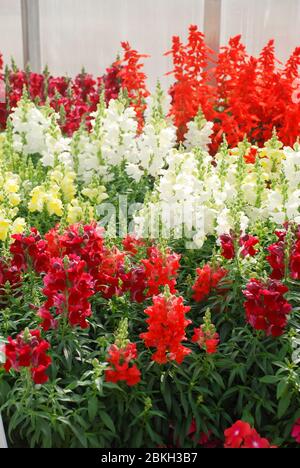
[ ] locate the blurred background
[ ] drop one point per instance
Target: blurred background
(67, 34)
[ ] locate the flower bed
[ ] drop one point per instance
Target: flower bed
(149, 271)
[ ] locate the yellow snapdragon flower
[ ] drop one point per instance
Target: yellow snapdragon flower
(4, 228)
(14, 199)
(38, 197)
(75, 212)
(18, 226)
(12, 184)
(54, 203)
(96, 194)
(68, 187)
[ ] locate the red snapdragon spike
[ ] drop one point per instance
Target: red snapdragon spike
(112, 82)
(161, 270)
(67, 287)
(121, 367)
(227, 244)
(277, 253)
(265, 306)
(207, 339)
(247, 243)
(207, 280)
(166, 329)
(295, 261)
(135, 282)
(28, 350)
(242, 435)
(132, 244)
(296, 431)
(152, 274)
(30, 250)
(9, 274)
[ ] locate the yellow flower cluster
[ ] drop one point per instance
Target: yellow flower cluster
(58, 190)
(10, 199)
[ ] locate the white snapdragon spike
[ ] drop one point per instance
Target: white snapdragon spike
(88, 163)
(111, 143)
(153, 147)
(199, 133)
(157, 139)
(291, 167)
(57, 151)
(30, 126)
(119, 134)
(181, 199)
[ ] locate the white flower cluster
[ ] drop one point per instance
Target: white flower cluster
(198, 198)
(156, 141)
(35, 131)
(30, 127)
(199, 133)
(284, 200)
(113, 141)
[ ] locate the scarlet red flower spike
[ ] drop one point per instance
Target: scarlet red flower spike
(206, 336)
(208, 279)
(121, 367)
(166, 329)
(133, 80)
(28, 350)
(67, 288)
(246, 243)
(281, 248)
(266, 307)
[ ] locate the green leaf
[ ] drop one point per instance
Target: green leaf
(108, 421)
(269, 379)
(92, 408)
(281, 388)
(284, 405)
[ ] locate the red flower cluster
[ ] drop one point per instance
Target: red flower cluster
(206, 339)
(30, 251)
(280, 249)
(133, 80)
(75, 99)
(166, 329)
(106, 266)
(206, 336)
(242, 435)
(28, 350)
(296, 431)
(250, 95)
(265, 306)
(191, 89)
(121, 367)
(147, 278)
(67, 288)
(160, 270)
(208, 279)
(246, 243)
(132, 245)
(9, 274)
